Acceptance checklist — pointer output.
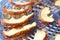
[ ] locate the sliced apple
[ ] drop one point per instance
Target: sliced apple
(57, 37)
(15, 22)
(21, 3)
(43, 15)
(17, 11)
(14, 32)
(40, 35)
(57, 3)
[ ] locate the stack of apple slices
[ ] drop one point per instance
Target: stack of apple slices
(16, 20)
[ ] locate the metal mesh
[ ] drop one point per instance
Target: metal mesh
(51, 29)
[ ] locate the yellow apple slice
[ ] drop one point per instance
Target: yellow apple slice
(43, 15)
(57, 37)
(57, 3)
(40, 35)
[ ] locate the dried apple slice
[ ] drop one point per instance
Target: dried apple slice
(57, 37)
(40, 35)
(57, 3)
(21, 3)
(16, 22)
(17, 11)
(14, 32)
(43, 15)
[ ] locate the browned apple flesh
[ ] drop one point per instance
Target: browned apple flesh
(15, 22)
(16, 11)
(30, 2)
(14, 32)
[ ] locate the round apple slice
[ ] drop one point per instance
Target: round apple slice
(43, 15)
(17, 11)
(30, 2)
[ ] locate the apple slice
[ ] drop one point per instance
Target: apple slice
(43, 15)
(17, 11)
(57, 37)
(57, 3)
(15, 32)
(21, 3)
(16, 22)
(40, 35)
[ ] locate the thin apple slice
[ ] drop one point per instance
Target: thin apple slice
(57, 37)
(40, 35)
(21, 3)
(15, 22)
(17, 11)
(15, 32)
(43, 15)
